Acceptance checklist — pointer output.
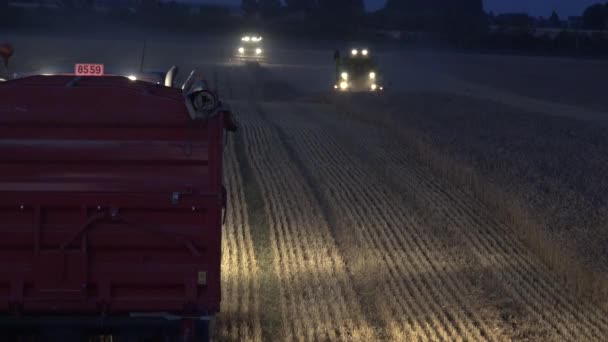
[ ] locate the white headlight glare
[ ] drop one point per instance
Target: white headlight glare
(241, 50)
(246, 39)
(374, 87)
(344, 76)
(354, 52)
(343, 85)
(372, 75)
(364, 52)
(2, 79)
(132, 77)
(258, 51)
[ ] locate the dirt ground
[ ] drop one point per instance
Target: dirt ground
(339, 228)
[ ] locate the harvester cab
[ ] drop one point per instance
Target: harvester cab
(250, 48)
(357, 72)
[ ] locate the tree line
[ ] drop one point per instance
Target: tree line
(464, 23)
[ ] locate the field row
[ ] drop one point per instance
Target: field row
(512, 269)
(366, 244)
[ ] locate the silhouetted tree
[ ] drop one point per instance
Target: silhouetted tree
(450, 17)
(595, 17)
(302, 5)
(77, 4)
(340, 15)
(250, 7)
(554, 20)
(148, 6)
(270, 8)
(514, 20)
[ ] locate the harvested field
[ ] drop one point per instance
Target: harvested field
(419, 258)
(429, 214)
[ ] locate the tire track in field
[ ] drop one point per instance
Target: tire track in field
(317, 301)
(546, 284)
(362, 201)
(313, 275)
(528, 279)
(523, 281)
(423, 329)
(239, 318)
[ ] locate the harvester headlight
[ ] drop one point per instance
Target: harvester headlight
(2, 79)
(344, 76)
(246, 39)
(365, 52)
(241, 50)
(372, 75)
(335, 86)
(258, 51)
(354, 52)
(374, 87)
(132, 77)
(343, 85)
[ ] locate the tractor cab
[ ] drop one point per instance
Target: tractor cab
(250, 47)
(357, 72)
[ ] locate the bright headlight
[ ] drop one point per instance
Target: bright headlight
(372, 75)
(354, 52)
(344, 76)
(374, 87)
(258, 51)
(246, 39)
(364, 52)
(132, 77)
(2, 79)
(241, 50)
(343, 85)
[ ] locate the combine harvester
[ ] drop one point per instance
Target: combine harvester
(111, 200)
(357, 72)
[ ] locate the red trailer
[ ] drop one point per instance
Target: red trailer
(111, 203)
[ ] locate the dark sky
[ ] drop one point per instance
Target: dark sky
(535, 7)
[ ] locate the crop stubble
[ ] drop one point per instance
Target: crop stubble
(368, 244)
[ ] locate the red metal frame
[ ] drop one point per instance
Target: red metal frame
(110, 199)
